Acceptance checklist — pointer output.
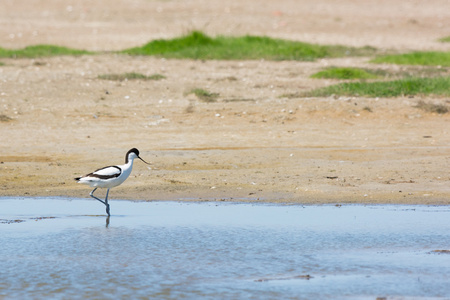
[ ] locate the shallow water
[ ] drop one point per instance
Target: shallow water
(56, 248)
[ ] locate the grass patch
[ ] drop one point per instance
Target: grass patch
(416, 58)
(40, 51)
(204, 95)
(431, 107)
(407, 86)
(445, 40)
(131, 76)
(345, 73)
(197, 45)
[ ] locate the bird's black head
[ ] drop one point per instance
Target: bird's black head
(135, 152)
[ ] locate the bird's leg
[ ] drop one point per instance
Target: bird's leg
(106, 203)
(92, 195)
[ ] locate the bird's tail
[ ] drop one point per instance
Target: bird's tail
(77, 178)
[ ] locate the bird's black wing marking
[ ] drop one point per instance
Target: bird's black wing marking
(104, 173)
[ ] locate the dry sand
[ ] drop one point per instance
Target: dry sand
(59, 121)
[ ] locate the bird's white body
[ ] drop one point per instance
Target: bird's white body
(108, 177)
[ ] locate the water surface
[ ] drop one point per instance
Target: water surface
(60, 249)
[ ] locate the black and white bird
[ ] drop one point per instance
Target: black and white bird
(109, 177)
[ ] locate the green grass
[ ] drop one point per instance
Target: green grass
(345, 73)
(416, 58)
(204, 95)
(40, 51)
(197, 45)
(407, 86)
(130, 76)
(445, 40)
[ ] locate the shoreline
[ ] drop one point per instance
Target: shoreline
(430, 203)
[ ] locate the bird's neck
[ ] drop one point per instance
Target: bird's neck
(128, 164)
(128, 160)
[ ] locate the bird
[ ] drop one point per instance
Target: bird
(111, 176)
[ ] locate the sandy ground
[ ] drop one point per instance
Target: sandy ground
(58, 120)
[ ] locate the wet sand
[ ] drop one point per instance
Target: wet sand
(59, 120)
